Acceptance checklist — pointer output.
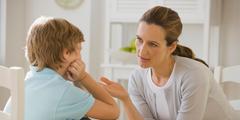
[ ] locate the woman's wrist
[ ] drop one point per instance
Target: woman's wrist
(125, 99)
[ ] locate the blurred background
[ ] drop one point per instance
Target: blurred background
(210, 27)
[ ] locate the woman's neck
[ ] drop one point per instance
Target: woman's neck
(161, 74)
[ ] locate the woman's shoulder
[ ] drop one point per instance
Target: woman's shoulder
(139, 75)
(188, 64)
(140, 72)
(191, 70)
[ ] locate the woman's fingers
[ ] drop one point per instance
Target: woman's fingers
(106, 81)
(103, 85)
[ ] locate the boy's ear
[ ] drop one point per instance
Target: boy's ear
(66, 54)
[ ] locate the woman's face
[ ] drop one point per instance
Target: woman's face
(152, 49)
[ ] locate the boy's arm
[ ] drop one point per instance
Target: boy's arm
(103, 102)
(104, 107)
(116, 90)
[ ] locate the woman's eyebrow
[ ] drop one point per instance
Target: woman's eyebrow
(138, 37)
(153, 41)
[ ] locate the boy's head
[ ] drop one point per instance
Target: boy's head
(47, 40)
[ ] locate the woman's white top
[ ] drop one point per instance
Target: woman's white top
(191, 93)
(160, 97)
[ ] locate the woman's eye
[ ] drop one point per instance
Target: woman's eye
(139, 40)
(153, 45)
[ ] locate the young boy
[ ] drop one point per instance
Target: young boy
(53, 50)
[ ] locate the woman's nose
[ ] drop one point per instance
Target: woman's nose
(142, 51)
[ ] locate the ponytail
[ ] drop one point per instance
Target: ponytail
(184, 51)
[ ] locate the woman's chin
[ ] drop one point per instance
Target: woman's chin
(142, 65)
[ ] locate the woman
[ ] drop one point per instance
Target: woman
(171, 84)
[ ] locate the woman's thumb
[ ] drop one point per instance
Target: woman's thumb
(106, 80)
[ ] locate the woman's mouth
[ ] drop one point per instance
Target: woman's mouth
(143, 59)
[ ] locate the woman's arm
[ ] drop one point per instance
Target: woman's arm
(104, 107)
(131, 111)
(119, 92)
(194, 91)
(135, 87)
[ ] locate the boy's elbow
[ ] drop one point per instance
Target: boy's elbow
(116, 112)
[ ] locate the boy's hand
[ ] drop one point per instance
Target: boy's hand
(76, 71)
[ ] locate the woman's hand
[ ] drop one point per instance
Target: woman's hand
(115, 89)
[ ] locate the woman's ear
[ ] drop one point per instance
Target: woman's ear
(173, 47)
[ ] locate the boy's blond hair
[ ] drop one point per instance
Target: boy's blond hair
(46, 40)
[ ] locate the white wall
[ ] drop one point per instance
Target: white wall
(15, 33)
(192, 37)
(230, 35)
(12, 41)
(97, 37)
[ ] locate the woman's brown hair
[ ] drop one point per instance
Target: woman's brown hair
(46, 40)
(171, 22)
